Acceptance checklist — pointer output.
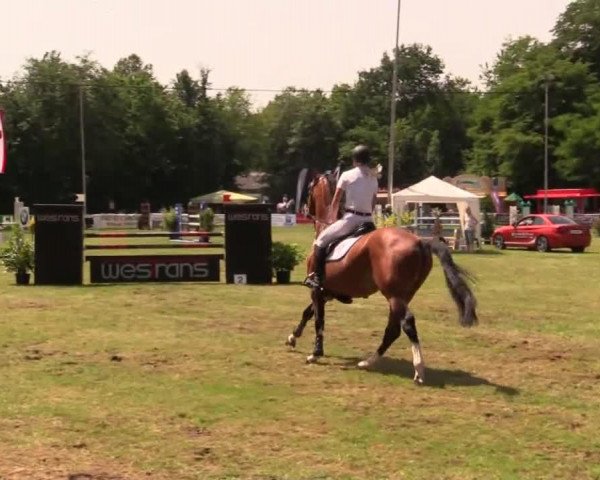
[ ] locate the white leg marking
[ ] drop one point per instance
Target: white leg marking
(418, 363)
(312, 359)
(369, 362)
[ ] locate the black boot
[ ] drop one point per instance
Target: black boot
(317, 278)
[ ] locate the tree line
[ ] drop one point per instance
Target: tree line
(168, 143)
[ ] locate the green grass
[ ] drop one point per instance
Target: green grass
(192, 381)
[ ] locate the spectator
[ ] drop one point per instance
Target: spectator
(470, 227)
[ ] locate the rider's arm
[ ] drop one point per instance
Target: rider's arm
(335, 205)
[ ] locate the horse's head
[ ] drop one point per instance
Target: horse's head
(320, 195)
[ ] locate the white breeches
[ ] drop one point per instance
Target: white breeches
(343, 226)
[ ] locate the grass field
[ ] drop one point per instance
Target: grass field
(193, 381)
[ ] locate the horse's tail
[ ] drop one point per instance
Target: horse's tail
(456, 280)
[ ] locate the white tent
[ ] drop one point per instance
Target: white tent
(434, 190)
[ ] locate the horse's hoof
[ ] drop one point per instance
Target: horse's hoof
(369, 362)
(419, 380)
(312, 358)
(291, 341)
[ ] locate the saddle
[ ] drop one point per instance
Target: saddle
(337, 249)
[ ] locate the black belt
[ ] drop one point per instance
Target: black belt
(349, 210)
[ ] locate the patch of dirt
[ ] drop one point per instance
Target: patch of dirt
(22, 303)
(37, 353)
(57, 463)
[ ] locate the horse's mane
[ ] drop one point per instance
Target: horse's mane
(322, 188)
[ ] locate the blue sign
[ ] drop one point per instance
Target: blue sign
(179, 213)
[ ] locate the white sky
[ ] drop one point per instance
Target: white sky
(268, 44)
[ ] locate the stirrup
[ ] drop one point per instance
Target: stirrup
(310, 281)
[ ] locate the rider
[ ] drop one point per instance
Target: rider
(360, 186)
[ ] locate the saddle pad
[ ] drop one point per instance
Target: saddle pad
(342, 248)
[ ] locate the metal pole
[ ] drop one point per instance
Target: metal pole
(546, 145)
(82, 138)
(393, 110)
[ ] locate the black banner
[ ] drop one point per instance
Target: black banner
(154, 268)
(248, 243)
(58, 244)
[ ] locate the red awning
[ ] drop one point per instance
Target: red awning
(565, 193)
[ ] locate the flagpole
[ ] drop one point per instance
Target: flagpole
(82, 138)
(392, 145)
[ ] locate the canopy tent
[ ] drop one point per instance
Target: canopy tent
(434, 190)
(224, 196)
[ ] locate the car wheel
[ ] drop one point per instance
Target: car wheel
(542, 244)
(578, 249)
(499, 242)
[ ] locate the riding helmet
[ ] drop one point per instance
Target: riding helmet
(361, 154)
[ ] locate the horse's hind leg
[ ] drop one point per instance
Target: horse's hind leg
(410, 328)
(392, 331)
(319, 309)
(297, 333)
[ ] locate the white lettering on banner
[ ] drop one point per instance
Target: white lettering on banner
(51, 218)
(145, 271)
(244, 217)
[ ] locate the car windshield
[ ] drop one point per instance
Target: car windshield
(556, 220)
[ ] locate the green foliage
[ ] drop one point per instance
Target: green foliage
(207, 220)
(488, 226)
(17, 255)
(577, 33)
(486, 204)
(394, 220)
(407, 218)
(386, 221)
(142, 140)
(170, 219)
(285, 256)
(508, 123)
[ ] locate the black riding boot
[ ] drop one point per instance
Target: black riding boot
(317, 278)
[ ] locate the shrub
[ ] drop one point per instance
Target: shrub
(207, 220)
(170, 220)
(285, 256)
(18, 254)
(488, 225)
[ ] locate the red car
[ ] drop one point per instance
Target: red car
(544, 232)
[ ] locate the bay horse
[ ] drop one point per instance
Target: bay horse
(390, 260)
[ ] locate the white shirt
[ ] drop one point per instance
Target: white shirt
(360, 187)
(470, 222)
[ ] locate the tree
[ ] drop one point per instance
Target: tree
(508, 124)
(578, 154)
(42, 117)
(301, 132)
(427, 102)
(433, 158)
(577, 33)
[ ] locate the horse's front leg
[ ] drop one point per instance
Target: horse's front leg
(319, 310)
(297, 333)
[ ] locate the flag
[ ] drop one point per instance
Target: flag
(2, 143)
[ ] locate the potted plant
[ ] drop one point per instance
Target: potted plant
(207, 222)
(17, 256)
(170, 222)
(284, 258)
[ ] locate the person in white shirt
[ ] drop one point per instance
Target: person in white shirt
(360, 186)
(470, 227)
